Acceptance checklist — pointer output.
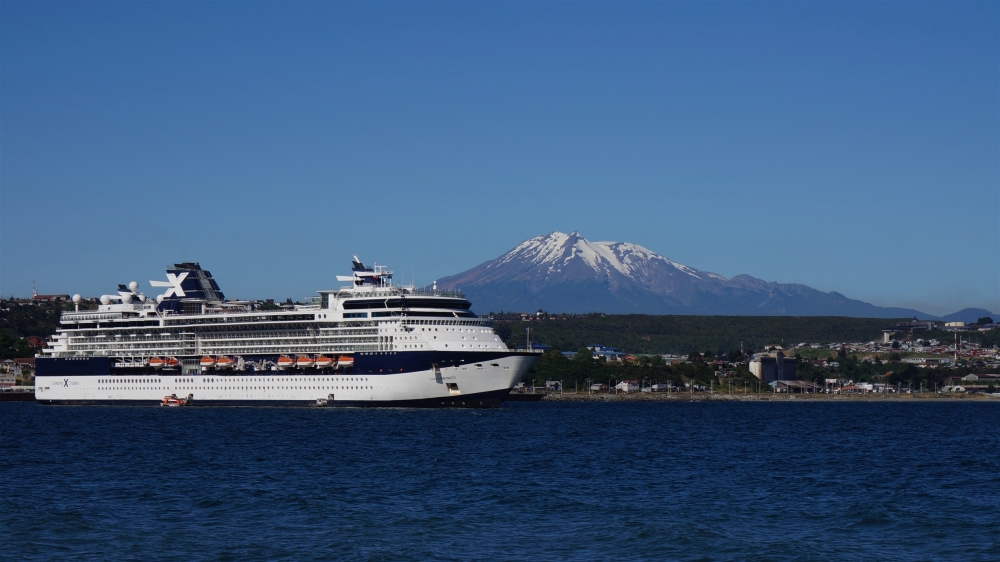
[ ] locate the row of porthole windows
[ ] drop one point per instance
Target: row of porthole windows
(445, 323)
(365, 387)
(212, 380)
(306, 379)
(130, 388)
(301, 388)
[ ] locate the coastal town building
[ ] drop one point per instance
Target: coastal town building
(18, 366)
(35, 342)
(773, 366)
(35, 297)
(790, 386)
(908, 326)
(628, 386)
(606, 352)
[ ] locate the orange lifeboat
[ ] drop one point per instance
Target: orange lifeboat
(207, 362)
(304, 361)
(322, 362)
(225, 362)
(346, 360)
(156, 362)
(171, 362)
(284, 362)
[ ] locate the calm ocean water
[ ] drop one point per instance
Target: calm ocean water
(685, 481)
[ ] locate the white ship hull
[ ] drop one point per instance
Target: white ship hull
(469, 384)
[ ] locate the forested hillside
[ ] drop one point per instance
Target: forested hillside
(638, 333)
(21, 320)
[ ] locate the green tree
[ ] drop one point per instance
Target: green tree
(984, 320)
(503, 330)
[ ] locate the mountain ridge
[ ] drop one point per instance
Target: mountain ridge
(562, 272)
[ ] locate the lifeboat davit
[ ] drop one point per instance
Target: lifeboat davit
(322, 361)
(346, 360)
(207, 362)
(156, 362)
(225, 362)
(171, 362)
(304, 361)
(285, 362)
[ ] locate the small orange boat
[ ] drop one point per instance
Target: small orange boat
(285, 362)
(346, 361)
(224, 362)
(207, 362)
(171, 362)
(156, 362)
(322, 361)
(304, 361)
(173, 400)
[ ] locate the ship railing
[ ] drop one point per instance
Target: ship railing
(355, 292)
(387, 289)
(78, 316)
(437, 293)
(229, 310)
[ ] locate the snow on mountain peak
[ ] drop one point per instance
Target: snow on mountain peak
(537, 250)
(557, 249)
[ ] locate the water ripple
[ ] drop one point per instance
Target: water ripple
(675, 481)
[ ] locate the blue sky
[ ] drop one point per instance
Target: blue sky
(850, 146)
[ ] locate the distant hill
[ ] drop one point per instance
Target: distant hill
(561, 272)
(643, 333)
(970, 315)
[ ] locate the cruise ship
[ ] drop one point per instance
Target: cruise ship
(368, 343)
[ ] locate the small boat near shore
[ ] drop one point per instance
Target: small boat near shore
(173, 400)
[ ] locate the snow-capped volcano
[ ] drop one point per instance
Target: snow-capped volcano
(561, 272)
(556, 250)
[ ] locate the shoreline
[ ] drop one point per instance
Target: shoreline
(764, 397)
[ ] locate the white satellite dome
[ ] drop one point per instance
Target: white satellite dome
(76, 298)
(105, 299)
(133, 286)
(159, 299)
(126, 298)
